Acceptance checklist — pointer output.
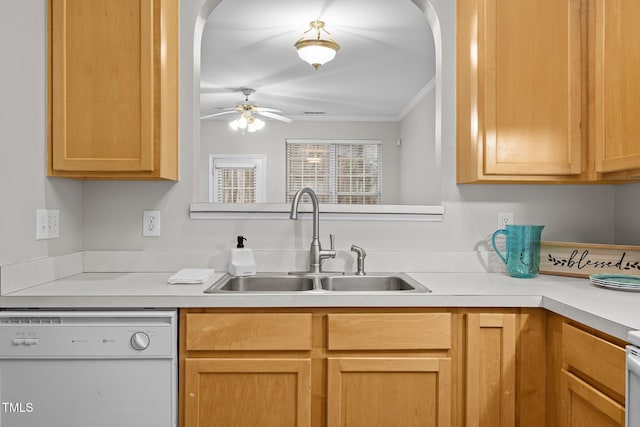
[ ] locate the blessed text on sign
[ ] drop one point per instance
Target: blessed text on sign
(584, 259)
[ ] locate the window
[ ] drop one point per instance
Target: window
(237, 178)
(339, 171)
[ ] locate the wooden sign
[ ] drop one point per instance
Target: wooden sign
(584, 259)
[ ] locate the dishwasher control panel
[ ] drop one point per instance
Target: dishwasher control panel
(36, 336)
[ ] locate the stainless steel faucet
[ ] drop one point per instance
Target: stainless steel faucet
(361, 255)
(316, 253)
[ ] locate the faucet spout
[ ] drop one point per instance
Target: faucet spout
(316, 253)
(314, 202)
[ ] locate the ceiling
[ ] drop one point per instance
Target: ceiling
(386, 58)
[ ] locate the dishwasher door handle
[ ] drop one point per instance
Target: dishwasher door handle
(633, 364)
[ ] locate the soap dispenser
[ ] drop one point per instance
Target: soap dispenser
(242, 261)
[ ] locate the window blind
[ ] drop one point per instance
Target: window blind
(339, 171)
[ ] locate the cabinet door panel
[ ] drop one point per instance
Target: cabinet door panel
(491, 370)
(519, 91)
(389, 391)
(532, 87)
(248, 331)
(584, 406)
(247, 392)
(102, 78)
(617, 79)
(608, 368)
(389, 331)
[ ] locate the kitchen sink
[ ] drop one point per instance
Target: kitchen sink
(372, 283)
(280, 282)
(263, 283)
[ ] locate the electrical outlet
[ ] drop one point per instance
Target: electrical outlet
(47, 224)
(504, 219)
(151, 223)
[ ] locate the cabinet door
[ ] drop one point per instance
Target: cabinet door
(389, 391)
(584, 406)
(617, 85)
(113, 93)
(518, 90)
(491, 370)
(102, 85)
(247, 392)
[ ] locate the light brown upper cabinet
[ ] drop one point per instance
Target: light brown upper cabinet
(113, 89)
(547, 91)
(616, 94)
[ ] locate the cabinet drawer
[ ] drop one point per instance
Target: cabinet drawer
(391, 331)
(251, 331)
(594, 357)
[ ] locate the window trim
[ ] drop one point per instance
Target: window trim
(259, 161)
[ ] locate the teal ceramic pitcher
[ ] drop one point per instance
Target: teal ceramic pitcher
(522, 249)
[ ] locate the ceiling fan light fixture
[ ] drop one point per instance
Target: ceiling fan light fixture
(313, 48)
(243, 122)
(254, 124)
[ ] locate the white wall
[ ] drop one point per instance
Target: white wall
(24, 186)
(110, 212)
(627, 207)
(419, 171)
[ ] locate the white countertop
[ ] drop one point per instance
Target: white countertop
(613, 312)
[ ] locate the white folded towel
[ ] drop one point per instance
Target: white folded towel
(191, 276)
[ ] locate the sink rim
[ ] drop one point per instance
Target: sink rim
(318, 288)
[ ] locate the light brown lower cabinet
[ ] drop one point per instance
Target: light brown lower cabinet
(394, 367)
(586, 381)
(389, 391)
(316, 367)
(491, 370)
(247, 392)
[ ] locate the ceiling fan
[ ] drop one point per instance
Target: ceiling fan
(248, 114)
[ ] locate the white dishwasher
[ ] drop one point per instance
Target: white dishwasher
(633, 380)
(88, 368)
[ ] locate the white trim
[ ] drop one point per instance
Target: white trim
(240, 160)
(330, 118)
(427, 89)
(434, 213)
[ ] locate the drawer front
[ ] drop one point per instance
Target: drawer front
(594, 357)
(390, 331)
(250, 331)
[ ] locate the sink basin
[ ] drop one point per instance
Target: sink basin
(372, 283)
(279, 282)
(262, 283)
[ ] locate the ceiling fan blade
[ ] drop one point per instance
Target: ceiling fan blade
(217, 114)
(270, 110)
(275, 116)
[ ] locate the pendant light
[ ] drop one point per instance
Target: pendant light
(314, 49)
